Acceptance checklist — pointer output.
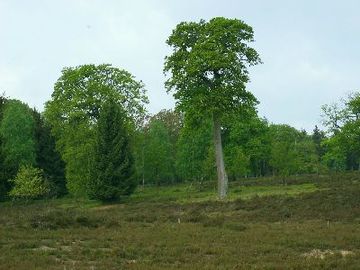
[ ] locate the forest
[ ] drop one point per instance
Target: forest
(167, 147)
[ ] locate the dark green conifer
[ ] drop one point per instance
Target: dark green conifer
(113, 170)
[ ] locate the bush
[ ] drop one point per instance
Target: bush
(63, 219)
(29, 183)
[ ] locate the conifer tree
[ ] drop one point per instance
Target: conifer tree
(113, 172)
(47, 157)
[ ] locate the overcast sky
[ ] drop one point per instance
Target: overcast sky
(310, 49)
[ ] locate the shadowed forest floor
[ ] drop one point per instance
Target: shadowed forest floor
(312, 222)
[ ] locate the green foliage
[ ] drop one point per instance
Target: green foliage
(335, 156)
(173, 122)
(112, 174)
(238, 163)
(208, 74)
(318, 137)
(4, 185)
(155, 148)
(158, 154)
(208, 66)
(29, 183)
(47, 158)
(308, 158)
(194, 161)
(78, 154)
(292, 151)
(343, 122)
(17, 133)
(333, 117)
(77, 100)
(247, 145)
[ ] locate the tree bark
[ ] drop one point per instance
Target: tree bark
(220, 166)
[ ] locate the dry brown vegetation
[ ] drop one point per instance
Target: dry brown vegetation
(184, 227)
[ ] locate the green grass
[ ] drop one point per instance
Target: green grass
(262, 225)
(191, 193)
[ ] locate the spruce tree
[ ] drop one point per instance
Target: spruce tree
(47, 157)
(112, 173)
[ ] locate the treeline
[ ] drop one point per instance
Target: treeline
(94, 131)
(176, 148)
(81, 144)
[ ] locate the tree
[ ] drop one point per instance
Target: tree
(333, 117)
(208, 73)
(156, 147)
(318, 137)
(343, 124)
(78, 97)
(172, 120)
(247, 140)
(48, 158)
(158, 154)
(308, 161)
(113, 170)
(193, 162)
(29, 183)
(17, 133)
(335, 156)
(292, 152)
(284, 159)
(4, 185)
(238, 162)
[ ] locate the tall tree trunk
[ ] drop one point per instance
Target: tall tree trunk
(222, 177)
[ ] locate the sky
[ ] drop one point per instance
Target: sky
(310, 49)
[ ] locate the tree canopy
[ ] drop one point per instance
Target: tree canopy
(74, 109)
(208, 66)
(17, 132)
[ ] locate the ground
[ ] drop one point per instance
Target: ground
(312, 222)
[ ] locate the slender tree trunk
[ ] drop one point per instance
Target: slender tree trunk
(143, 164)
(222, 177)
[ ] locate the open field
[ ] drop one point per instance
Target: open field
(313, 222)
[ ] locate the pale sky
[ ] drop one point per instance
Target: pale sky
(310, 49)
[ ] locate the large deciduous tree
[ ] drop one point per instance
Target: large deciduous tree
(343, 122)
(208, 73)
(74, 109)
(17, 132)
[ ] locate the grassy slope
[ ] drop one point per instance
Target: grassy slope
(263, 225)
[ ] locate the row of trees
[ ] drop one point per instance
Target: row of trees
(94, 138)
(168, 148)
(173, 148)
